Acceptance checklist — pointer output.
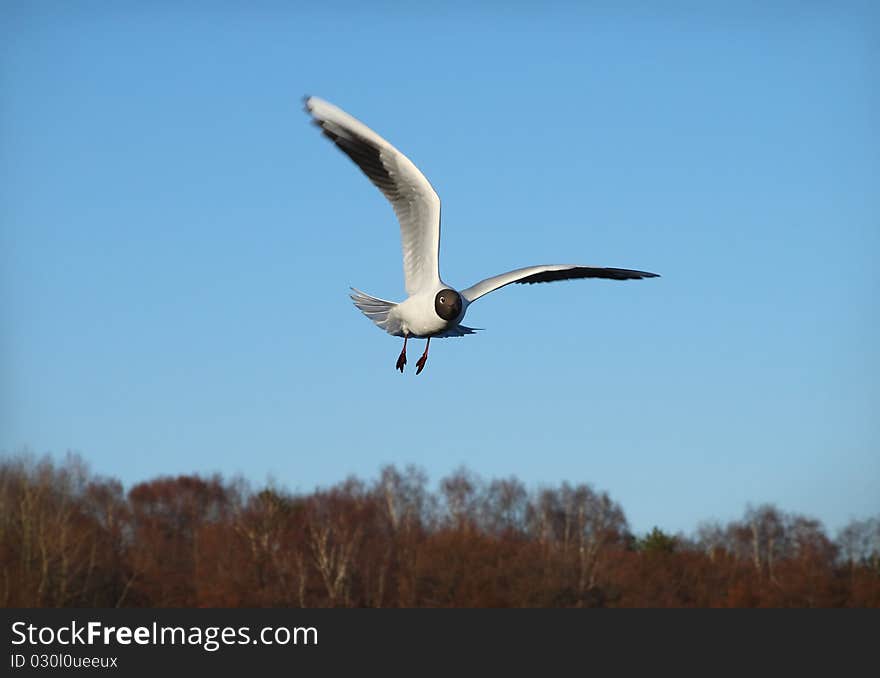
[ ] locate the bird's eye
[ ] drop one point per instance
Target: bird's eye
(442, 300)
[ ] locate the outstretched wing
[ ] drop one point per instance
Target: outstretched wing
(411, 195)
(550, 273)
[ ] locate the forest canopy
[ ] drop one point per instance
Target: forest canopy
(71, 538)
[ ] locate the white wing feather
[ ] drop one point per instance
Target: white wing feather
(411, 195)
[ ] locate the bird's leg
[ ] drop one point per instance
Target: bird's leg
(420, 363)
(401, 359)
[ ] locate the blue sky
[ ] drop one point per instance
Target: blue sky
(177, 242)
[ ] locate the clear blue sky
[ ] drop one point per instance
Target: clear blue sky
(177, 244)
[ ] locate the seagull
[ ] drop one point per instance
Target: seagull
(432, 308)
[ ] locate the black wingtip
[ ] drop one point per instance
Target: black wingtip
(585, 272)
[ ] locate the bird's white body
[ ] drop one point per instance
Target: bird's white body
(432, 308)
(415, 316)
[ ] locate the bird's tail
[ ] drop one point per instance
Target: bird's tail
(375, 309)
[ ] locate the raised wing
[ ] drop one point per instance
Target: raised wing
(550, 273)
(411, 195)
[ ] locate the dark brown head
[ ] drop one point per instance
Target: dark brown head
(447, 304)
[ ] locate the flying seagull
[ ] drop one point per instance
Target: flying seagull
(432, 307)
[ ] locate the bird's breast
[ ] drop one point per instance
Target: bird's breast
(420, 319)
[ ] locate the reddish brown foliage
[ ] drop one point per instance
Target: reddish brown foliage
(70, 539)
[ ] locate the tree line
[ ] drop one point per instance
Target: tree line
(72, 538)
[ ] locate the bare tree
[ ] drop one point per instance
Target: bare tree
(506, 506)
(461, 494)
(711, 539)
(765, 527)
(407, 510)
(335, 529)
(859, 542)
